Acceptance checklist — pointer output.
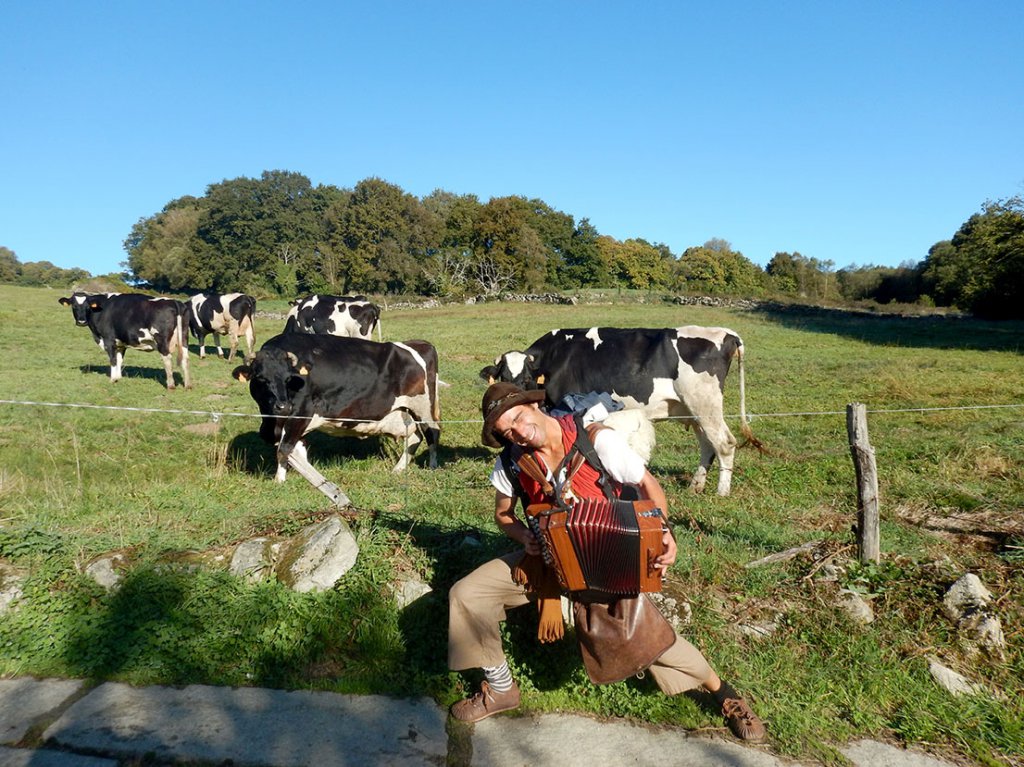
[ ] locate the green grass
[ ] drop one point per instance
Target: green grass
(76, 483)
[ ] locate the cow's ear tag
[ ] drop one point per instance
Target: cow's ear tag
(491, 380)
(304, 371)
(540, 380)
(241, 373)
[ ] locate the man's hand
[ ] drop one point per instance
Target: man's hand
(662, 563)
(530, 542)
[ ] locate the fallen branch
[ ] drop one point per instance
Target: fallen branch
(782, 556)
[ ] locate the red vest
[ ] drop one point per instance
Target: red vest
(584, 483)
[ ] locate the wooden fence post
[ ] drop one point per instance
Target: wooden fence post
(868, 536)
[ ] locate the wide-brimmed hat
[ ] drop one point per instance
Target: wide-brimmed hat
(498, 398)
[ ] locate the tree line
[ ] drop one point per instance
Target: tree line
(279, 235)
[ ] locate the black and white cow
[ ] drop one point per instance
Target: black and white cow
(667, 373)
(121, 321)
(231, 314)
(347, 387)
(346, 316)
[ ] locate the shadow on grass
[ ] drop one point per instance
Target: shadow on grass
(929, 331)
(132, 372)
(252, 455)
(455, 553)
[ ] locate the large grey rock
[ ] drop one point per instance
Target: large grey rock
(871, 753)
(576, 741)
(954, 683)
(220, 725)
(407, 592)
(253, 560)
(982, 631)
(10, 588)
(855, 606)
(967, 603)
(965, 596)
(106, 570)
(317, 558)
(23, 701)
(30, 757)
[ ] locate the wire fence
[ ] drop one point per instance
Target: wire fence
(216, 415)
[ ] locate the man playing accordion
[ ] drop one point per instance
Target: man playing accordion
(555, 462)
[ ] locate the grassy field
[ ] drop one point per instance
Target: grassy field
(159, 476)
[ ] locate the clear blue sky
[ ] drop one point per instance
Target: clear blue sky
(855, 132)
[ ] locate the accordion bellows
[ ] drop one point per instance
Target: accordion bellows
(602, 545)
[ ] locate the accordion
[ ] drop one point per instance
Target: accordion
(601, 545)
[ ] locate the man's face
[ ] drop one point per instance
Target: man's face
(522, 425)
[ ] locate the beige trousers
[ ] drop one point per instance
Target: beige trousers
(478, 603)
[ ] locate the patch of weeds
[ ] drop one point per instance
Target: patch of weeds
(1012, 551)
(29, 541)
(872, 577)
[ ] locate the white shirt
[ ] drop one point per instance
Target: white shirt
(619, 461)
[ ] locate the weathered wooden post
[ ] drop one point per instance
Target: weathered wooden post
(868, 537)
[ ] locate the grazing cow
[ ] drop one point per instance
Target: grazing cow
(134, 321)
(345, 386)
(231, 313)
(667, 373)
(346, 316)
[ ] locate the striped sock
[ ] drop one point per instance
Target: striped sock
(499, 677)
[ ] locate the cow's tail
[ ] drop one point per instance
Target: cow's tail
(748, 433)
(436, 399)
(191, 321)
(183, 320)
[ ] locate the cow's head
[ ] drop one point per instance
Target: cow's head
(367, 315)
(83, 304)
(275, 378)
(514, 367)
(79, 303)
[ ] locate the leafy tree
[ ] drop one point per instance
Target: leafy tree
(944, 272)
(636, 263)
(716, 268)
(883, 284)
(785, 271)
(982, 268)
(10, 268)
(162, 249)
(250, 226)
(582, 264)
(458, 215)
(806, 277)
(47, 274)
(382, 238)
(505, 242)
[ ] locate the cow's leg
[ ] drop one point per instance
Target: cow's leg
(284, 453)
(290, 439)
(233, 335)
(186, 377)
(401, 424)
(116, 356)
(216, 341)
(202, 345)
(433, 440)
(716, 441)
(168, 368)
(250, 338)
